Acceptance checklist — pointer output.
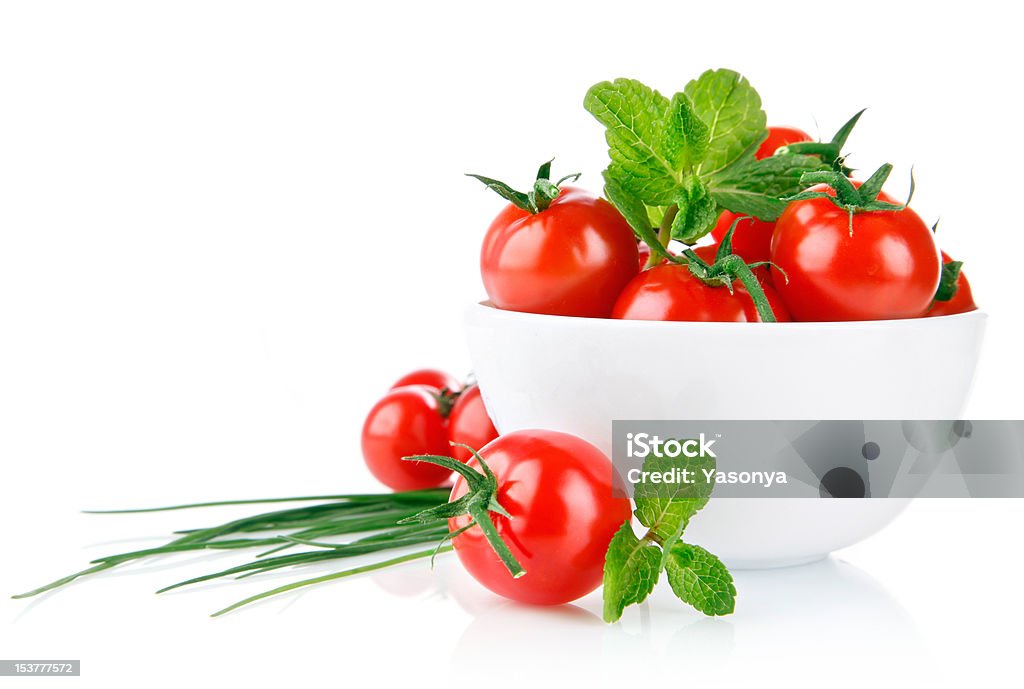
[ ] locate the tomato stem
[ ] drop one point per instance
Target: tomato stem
(478, 502)
(541, 194)
(738, 267)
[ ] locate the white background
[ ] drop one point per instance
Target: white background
(226, 227)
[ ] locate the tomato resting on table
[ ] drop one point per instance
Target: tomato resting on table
(469, 423)
(406, 421)
(881, 264)
(569, 254)
(673, 293)
(557, 488)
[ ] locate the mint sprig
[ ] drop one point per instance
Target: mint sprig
(634, 563)
(683, 159)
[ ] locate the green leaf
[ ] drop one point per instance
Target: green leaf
(697, 212)
(684, 138)
(700, 579)
(666, 508)
(948, 282)
(517, 198)
(731, 108)
(631, 208)
(631, 569)
(651, 140)
(756, 187)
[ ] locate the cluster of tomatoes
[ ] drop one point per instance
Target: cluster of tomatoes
(422, 414)
(554, 488)
(577, 256)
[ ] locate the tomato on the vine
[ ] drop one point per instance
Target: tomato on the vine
(708, 252)
(962, 301)
(752, 240)
(406, 421)
(469, 423)
(566, 253)
(557, 488)
(779, 137)
(431, 377)
(674, 293)
(880, 263)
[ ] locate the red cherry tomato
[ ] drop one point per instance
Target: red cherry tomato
(752, 240)
(779, 137)
(571, 259)
(558, 489)
(888, 268)
(673, 293)
(468, 423)
(962, 301)
(405, 422)
(431, 377)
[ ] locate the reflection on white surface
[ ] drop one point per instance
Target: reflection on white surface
(825, 609)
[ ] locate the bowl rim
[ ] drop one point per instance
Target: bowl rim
(485, 310)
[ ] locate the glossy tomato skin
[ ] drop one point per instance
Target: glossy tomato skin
(558, 489)
(779, 137)
(405, 422)
(672, 293)
(888, 269)
(431, 377)
(571, 259)
(469, 423)
(752, 240)
(962, 301)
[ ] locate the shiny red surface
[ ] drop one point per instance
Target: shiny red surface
(430, 377)
(571, 260)
(469, 424)
(889, 268)
(405, 422)
(779, 137)
(558, 489)
(752, 240)
(672, 293)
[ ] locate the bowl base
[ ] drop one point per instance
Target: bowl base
(762, 563)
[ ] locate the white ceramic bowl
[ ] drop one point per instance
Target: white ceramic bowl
(578, 374)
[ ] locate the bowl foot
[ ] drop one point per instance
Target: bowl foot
(770, 563)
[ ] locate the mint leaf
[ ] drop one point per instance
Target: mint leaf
(666, 508)
(700, 579)
(652, 141)
(697, 212)
(632, 208)
(757, 187)
(731, 109)
(631, 569)
(634, 116)
(685, 136)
